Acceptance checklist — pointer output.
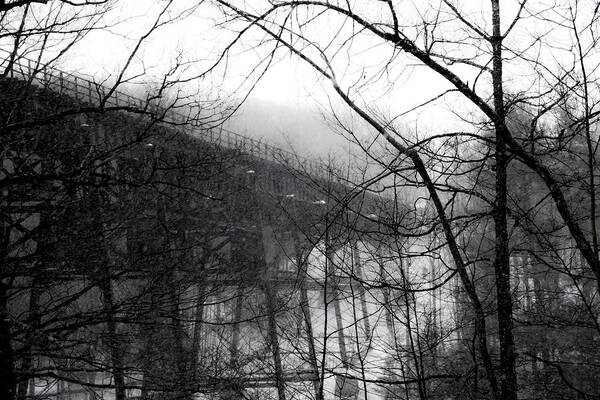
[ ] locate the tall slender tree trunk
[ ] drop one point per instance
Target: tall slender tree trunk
(508, 379)
(589, 142)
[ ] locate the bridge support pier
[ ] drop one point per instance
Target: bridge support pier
(334, 292)
(317, 381)
(272, 305)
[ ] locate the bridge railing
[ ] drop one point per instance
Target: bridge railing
(84, 89)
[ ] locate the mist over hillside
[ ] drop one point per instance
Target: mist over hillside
(299, 129)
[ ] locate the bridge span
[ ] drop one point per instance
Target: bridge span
(182, 262)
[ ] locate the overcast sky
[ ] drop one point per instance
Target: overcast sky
(286, 104)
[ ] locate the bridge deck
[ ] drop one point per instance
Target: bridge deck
(86, 90)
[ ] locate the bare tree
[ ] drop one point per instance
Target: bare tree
(476, 55)
(87, 169)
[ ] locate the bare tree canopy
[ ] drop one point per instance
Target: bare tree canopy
(451, 252)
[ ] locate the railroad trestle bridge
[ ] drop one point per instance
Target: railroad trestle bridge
(191, 259)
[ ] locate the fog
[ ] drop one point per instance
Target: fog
(301, 129)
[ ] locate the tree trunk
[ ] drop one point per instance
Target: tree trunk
(508, 379)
